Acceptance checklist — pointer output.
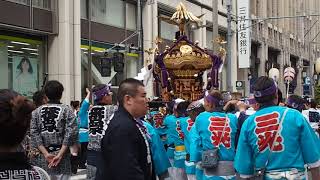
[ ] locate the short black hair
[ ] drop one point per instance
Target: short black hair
(170, 106)
(15, 117)
(299, 102)
(38, 98)
(128, 87)
(53, 90)
(313, 104)
(182, 109)
(263, 83)
(75, 104)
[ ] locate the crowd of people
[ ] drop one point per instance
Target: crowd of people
(217, 137)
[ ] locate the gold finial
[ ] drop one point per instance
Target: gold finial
(182, 14)
(222, 52)
(149, 51)
(158, 41)
(219, 40)
(182, 17)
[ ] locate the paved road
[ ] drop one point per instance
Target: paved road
(81, 175)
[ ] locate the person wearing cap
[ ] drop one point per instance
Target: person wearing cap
(213, 136)
(275, 142)
(53, 130)
(99, 118)
(193, 110)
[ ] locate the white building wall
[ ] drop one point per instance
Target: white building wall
(64, 61)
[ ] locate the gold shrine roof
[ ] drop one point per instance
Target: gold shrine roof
(186, 56)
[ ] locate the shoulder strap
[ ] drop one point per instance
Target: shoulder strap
(276, 136)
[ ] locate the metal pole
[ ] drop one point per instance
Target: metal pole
(229, 41)
(215, 26)
(140, 33)
(90, 46)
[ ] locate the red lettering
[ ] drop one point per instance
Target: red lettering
(178, 129)
(216, 128)
(158, 120)
(190, 124)
(267, 126)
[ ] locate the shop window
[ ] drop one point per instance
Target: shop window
(21, 62)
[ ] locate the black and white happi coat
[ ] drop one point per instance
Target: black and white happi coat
(98, 119)
(53, 124)
(15, 165)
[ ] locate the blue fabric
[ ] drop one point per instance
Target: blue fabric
(190, 167)
(296, 145)
(160, 159)
(203, 137)
(170, 123)
(186, 126)
(199, 172)
(158, 119)
(83, 115)
(175, 136)
(206, 133)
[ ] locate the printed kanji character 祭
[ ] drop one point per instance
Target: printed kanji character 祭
(49, 117)
(158, 120)
(267, 126)
(216, 127)
(97, 120)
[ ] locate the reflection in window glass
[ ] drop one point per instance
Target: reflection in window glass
(209, 38)
(20, 66)
(25, 2)
(131, 16)
(109, 12)
(168, 31)
(45, 4)
(83, 9)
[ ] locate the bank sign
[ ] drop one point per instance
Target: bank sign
(244, 40)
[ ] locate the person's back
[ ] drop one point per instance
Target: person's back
(277, 140)
(214, 130)
(98, 120)
(53, 130)
(15, 115)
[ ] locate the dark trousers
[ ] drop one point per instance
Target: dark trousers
(83, 155)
